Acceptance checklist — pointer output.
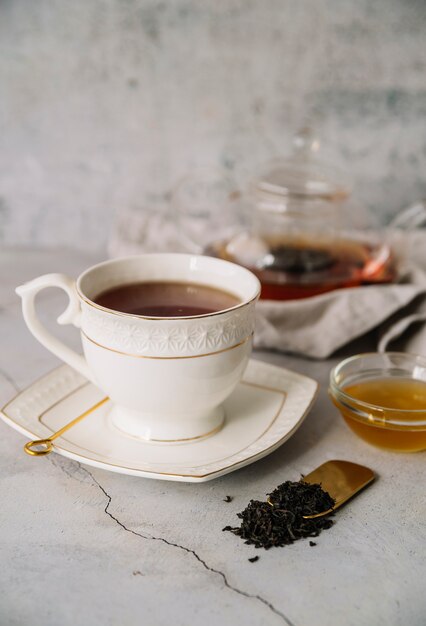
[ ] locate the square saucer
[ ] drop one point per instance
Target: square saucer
(265, 409)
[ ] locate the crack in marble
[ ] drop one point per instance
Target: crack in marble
(185, 549)
(9, 379)
(56, 461)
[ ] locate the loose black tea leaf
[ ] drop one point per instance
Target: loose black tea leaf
(301, 497)
(312, 543)
(298, 260)
(281, 521)
(228, 499)
(254, 559)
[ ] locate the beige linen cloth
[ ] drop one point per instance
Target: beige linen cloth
(318, 326)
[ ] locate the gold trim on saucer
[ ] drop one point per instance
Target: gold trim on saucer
(143, 356)
(214, 430)
(39, 379)
(264, 387)
(68, 395)
(91, 461)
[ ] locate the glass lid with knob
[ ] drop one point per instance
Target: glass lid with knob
(307, 236)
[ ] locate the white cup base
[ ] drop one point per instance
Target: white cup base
(163, 430)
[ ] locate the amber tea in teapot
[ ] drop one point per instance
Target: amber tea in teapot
(302, 267)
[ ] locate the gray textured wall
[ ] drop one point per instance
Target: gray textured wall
(105, 103)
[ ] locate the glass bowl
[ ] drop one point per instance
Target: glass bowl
(382, 398)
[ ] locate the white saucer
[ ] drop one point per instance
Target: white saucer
(265, 409)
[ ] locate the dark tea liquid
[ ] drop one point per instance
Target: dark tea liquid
(300, 269)
(166, 299)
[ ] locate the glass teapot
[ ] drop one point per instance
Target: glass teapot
(306, 235)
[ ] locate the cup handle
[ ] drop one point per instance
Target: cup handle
(71, 315)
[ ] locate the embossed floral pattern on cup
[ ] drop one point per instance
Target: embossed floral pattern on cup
(168, 337)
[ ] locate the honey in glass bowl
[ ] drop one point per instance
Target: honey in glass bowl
(385, 406)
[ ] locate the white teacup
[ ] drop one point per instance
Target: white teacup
(167, 377)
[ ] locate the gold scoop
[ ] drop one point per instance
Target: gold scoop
(46, 445)
(341, 479)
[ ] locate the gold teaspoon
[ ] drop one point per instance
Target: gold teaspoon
(40, 447)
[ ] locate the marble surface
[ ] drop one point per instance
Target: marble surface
(84, 546)
(107, 104)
